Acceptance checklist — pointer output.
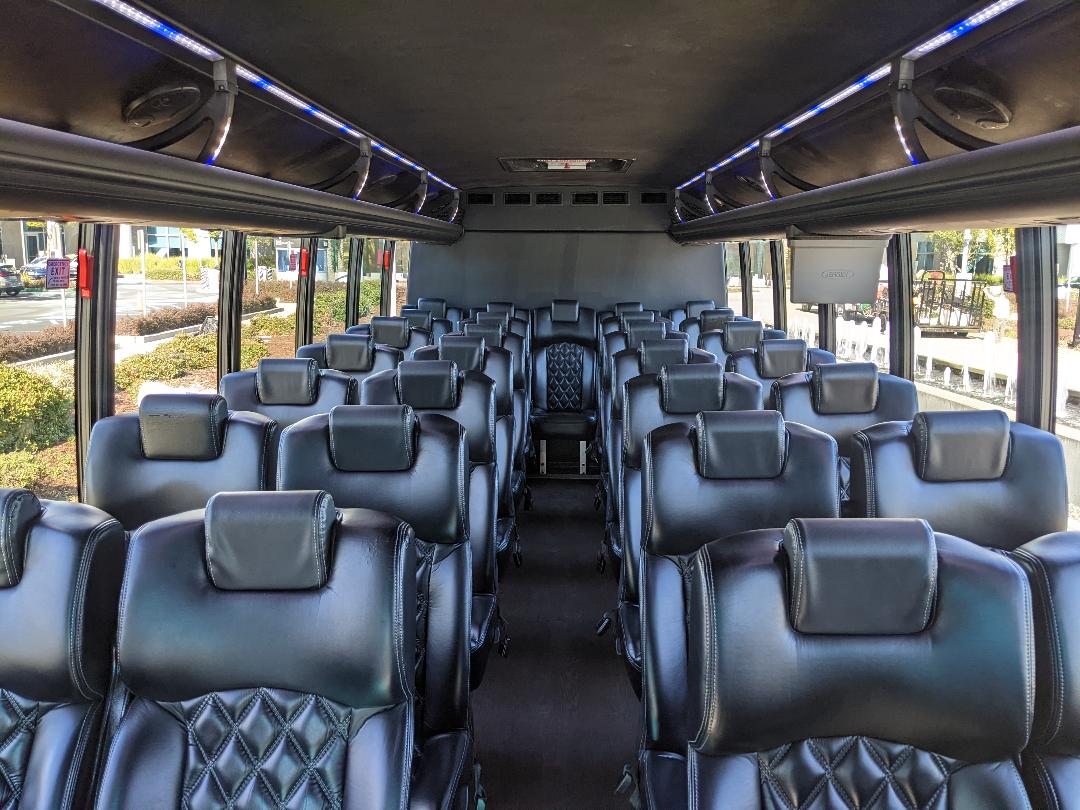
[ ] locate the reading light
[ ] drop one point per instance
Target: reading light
(150, 23)
(955, 32)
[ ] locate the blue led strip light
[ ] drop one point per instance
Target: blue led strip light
(955, 32)
(150, 23)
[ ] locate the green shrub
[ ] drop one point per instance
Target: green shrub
(329, 307)
(271, 325)
(251, 352)
(33, 283)
(279, 290)
(370, 296)
(162, 320)
(22, 468)
(16, 346)
(182, 354)
(34, 413)
(165, 268)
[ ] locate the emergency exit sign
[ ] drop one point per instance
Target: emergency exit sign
(57, 274)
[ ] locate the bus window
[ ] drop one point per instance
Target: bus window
(402, 254)
(1067, 424)
(370, 280)
(733, 277)
(331, 273)
(37, 378)
(965, 315)
(761, 280)
(167, 293)
(271, 277)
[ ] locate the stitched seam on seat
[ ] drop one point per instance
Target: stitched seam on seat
(399, 632)
(920, 424)
(863, 441)
(406, 413)
(208, 546)
(1057, 664)
(1049, 790)
(75, 616)
(452, 793)
(705, 575)
(318, 526)
(213, 428)
(268, 432)
(888, 772)
(68, 796)
(797, 594)
(13, 507)
(1029, 642)
(933, 573)
(703, 444)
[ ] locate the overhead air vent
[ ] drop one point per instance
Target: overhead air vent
(481, 198)
(166, 103)
(565, 164)
(548, 198)
(654, 198)
(517, 198)
(616, 198)
(973, 105)
(585, 198)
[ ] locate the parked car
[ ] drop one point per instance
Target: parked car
(11, 282)
(35, 269)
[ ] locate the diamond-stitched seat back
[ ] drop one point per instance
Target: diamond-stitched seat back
(18, 722)
(565, 363)
(264, 748)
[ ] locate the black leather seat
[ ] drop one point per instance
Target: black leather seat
(564, 373)
(708, 320)
(395, 332)
(287, 390)
(1051, 764)
(384, 457)
(842, 399)
(733, 337)
(59, 589)
(692, 309)
(969, 473)
(266, 651)
(173, 455)
(472, 353)
(730, 471)
(868, 664)
(440, 309)
(677, 393)
(773, 359)
(424, 319)
(359, 356)
(468, 397)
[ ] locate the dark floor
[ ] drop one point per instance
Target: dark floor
(557, 720)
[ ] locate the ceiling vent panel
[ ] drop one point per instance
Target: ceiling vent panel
(616, 198)
(548, 198)
(481, 198)
(526, 164)
(654, 198)
(585, 198)
(517, 198)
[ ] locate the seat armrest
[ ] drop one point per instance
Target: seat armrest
(445, 772)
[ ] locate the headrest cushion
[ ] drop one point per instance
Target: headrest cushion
(436, 306)
(623, 307)
(692, 388)
(961, 445)
(465, 350)
(287, 381)
(390, 331)
(269, 541)
(627, 318)
(638, 331)
(741, 444)
(350, 352)
(417, 318)
(501, 307)
(713, 319)
(372, 438)
(183, 427)
(695, 308)
(845, 387)
(428, 384)
(656, 354)
(492, 333)
(860, 577)
(739, 335)
(778, 358)
(18, 509)
(501, 318)
(564, 310)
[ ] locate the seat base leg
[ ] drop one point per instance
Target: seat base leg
(583, 448)
(543, 456)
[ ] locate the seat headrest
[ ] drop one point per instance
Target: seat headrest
(501, 318)
(692, 388)
(653, 355)
(372, 438)
(739, 335)
(860, 577)
(695, 308)
(627, 318)
(492, 333)
(390, 331)
(465, 350)
(287, 381)
(436, 306)
(741, 444)
(183, 427)
(18, 509)
(778, 358)
(845, 387)
(713, 319)
(563, 310)
(774, 334)
(428, 384)
(639, 331)
(417, 318)
(269, 541)
(961, 445)
(501, 307)
(623, 307)
(350, 352)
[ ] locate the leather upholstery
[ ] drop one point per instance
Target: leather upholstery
(741, 445)
(436, 306)
(564, 398)
(62, 565)
(356, 355)
(709, 320)
(622, 307)
(207, 716)
(776, 359)
(928, 740)
(418, 318)
(473, 353)
(564, 321)
(739, 335)
(395, 332)
(564, 311)
(295, 387)
(269, 541)
(636, 332)
(1052, 761)
(841, 388)
(1028, 499)
(432, 495)
(836, 588)
(122, 480)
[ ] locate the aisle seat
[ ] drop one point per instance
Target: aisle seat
(691, 309)
(395, 332)
(708, 320)
(359, 356)
(774, 359)
(735, 336)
